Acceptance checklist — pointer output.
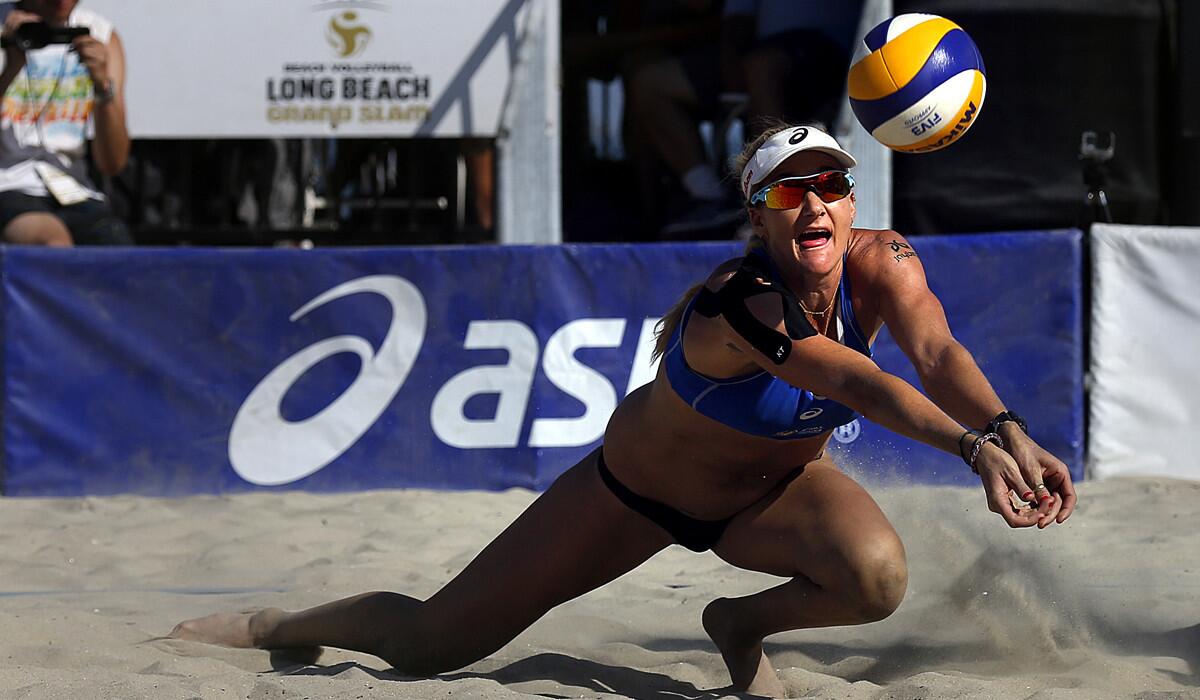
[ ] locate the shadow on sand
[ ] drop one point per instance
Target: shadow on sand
(908, 658)
(563, 670)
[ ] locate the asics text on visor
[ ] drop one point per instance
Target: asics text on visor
(786, 144)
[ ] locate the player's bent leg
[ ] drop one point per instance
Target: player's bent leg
(825, 530)
(575, 537)
(846, 563)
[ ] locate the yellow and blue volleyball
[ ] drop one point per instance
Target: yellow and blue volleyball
(920, 83)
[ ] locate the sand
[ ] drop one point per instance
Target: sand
(1106, 606)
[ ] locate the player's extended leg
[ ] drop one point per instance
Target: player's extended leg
(846, 562)
(574, 538)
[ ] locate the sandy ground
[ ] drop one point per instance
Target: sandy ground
(1107, 606)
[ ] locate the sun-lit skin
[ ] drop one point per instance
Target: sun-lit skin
(812, 271)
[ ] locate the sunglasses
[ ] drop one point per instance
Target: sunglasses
(789, 192)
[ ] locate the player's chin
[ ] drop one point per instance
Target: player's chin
(820, 258)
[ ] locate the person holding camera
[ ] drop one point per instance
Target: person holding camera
(63, 81)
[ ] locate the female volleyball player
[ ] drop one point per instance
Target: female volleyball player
(725, 451)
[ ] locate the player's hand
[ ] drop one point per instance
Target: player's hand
(1001, 478)
(1048, 477)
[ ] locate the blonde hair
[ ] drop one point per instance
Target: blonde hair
(769, 126)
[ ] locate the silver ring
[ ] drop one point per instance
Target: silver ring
(1040, 487)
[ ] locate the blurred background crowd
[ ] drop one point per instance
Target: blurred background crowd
(656, 94)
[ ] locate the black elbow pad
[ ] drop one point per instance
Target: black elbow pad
(730, 301)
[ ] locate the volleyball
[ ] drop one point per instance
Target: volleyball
(919, 84)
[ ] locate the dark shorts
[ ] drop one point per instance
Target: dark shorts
(696, 535)
(91, 222)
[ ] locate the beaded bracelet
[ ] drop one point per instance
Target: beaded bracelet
(977, 447)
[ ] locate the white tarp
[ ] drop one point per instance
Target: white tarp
(874, 172)
(309, 68)
(529, 167)
(1145, 366)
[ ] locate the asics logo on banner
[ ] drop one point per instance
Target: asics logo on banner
(268, 450)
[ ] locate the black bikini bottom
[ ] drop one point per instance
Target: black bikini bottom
(696, 535)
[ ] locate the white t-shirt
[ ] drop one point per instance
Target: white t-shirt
(46, 113)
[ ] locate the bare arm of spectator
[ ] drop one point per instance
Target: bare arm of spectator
(106, 64)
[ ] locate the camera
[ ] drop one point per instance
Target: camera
(35, 35)
(1094, 158)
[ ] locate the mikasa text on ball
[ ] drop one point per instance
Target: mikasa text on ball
(920, 84)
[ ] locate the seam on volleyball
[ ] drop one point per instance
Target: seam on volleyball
(888, 69)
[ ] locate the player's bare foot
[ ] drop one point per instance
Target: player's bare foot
(749, 668)
(240, 630)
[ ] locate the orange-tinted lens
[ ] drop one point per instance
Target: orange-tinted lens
(789, 193)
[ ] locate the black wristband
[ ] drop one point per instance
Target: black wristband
(961, 452)
(1006, 417)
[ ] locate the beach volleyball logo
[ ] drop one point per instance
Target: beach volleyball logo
(920, 84)
(346, 36)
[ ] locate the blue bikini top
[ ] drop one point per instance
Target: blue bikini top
(760, 403)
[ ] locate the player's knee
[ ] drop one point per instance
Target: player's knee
(879, 580)
(429, 655)
(429, 640)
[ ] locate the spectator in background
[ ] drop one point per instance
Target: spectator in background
(764, 46)
(480, 156)
(50, 96)
(669, 89)
(768, 45)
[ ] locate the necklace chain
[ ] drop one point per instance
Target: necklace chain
(806, 310)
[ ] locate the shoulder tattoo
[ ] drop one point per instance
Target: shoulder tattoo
(901, 250)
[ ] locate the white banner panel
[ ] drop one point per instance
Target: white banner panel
(306, 68)
(1145, 367)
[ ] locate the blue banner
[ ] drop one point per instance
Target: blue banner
(181, 371)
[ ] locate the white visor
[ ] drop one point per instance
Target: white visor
(786, 144)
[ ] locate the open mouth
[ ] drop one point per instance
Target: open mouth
(814, 238)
